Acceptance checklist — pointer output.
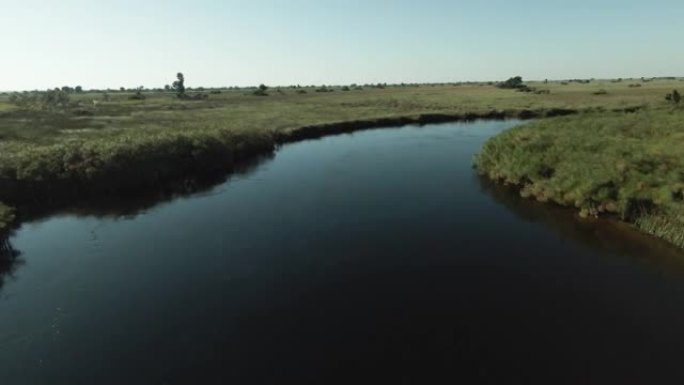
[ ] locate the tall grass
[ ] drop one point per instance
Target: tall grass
(120, 162)
(629, 165)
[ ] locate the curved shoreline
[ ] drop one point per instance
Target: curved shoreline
(334, 128)
(623, 166)
(173, 161)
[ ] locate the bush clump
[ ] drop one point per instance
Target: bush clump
(261, 90)
(673, 97)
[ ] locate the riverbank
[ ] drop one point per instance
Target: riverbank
(60, 173)
(626, 165)
(108, 144)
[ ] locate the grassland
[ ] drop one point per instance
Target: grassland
(109, 144)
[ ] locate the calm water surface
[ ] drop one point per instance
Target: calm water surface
(378, 256)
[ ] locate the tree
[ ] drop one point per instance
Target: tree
(78, 89)
(261, 90)
(179, 85)
(512, 83)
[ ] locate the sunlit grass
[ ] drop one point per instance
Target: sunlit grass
(109, 142)
(625, 164)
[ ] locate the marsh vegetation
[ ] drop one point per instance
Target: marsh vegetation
(67, 143)
(626, 165)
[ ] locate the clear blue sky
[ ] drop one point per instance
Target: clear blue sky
(106, 43)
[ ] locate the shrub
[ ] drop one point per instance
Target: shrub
(601, 92)
(673, 97)
(138, 95)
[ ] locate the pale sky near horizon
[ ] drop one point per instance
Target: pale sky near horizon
(108, 44)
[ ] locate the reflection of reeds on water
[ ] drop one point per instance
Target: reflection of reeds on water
(9, 259)
(602, 235)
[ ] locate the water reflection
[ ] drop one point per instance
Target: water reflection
(9, 259)
(124, 206)
(601, 235)
(131, 205)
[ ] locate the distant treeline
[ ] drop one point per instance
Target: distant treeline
(169, 88)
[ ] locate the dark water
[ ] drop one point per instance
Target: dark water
(374, 257)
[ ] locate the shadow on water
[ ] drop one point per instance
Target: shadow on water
(124, 206)
(9, 259)
(130, 205)
(601, 235)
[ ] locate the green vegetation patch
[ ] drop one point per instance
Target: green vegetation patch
(629, 165)
(122, 161)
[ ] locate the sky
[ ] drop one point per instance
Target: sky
(215, 43)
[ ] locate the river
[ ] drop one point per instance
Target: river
(378, 256)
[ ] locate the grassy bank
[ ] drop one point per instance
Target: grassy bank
(628, 165)
(108, 144)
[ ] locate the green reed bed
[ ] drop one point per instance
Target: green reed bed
(628, 165)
